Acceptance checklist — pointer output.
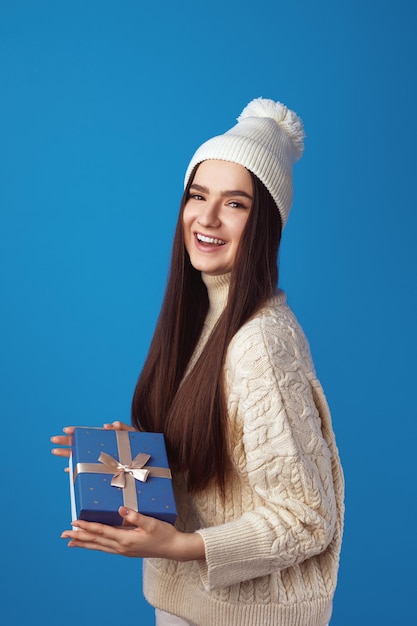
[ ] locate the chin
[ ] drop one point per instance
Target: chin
(219, 271)
(210, 268)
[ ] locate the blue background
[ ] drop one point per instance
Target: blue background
(102, 105)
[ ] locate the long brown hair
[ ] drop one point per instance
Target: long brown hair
(191, 412)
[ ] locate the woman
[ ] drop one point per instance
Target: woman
(230, 382)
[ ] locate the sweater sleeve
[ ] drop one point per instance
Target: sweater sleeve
(285, 459)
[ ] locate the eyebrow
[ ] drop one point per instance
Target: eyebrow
(226, 194)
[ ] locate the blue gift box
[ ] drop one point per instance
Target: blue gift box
(110, 468)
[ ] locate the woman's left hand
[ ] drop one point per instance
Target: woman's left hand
(149, 537)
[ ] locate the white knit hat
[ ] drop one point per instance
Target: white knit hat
(268, 139)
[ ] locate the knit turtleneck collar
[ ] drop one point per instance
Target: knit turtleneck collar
(218, 291)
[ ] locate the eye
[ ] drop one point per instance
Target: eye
(234, 204)
(195, 196)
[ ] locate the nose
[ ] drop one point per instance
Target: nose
(209, 216)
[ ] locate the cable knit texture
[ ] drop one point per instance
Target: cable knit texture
(272, 549)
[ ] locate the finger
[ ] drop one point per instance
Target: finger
(91, 534)
(73, 543)
(102, 536)
(69, 431)
(61, 440)
(62, 452)
(118, 426)
(83, 539)
(133, 518)
(95, 529)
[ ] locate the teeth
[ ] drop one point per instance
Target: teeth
(213, 240)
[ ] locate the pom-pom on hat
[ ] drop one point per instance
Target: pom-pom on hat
(268, 139)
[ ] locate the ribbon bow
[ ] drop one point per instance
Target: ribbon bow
(135, 468)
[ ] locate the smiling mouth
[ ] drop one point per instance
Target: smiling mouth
(209, 240)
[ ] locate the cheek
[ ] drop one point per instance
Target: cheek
(239, 230)
(186, 228)
(187, 218)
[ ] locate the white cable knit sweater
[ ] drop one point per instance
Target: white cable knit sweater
(272, 550)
